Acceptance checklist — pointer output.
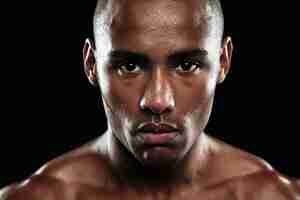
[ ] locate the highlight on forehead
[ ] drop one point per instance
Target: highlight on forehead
(106, 10)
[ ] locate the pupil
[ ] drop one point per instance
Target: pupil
(186, 66)
(131, 67)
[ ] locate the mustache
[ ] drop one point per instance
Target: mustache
(156, 127)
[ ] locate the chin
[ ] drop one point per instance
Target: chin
(159, 157)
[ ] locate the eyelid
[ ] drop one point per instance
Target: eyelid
(130, 64)
(201, 62)
(193, 66)
(116, 63)
(192, 69)
(122, 71)
(125, 57)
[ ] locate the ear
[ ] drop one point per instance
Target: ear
(89, 62)
(225, 59)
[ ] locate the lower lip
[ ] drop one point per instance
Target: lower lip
(158, 138)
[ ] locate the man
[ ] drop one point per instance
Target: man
(156, 63)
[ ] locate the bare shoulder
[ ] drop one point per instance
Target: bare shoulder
(252, 177)
(267, 184)
(230, 162)
(85, 167)
(34, 188)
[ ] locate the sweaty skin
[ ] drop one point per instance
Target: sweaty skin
(156, 63)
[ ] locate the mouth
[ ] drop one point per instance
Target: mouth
(153, 135)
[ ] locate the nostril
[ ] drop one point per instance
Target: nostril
(148, 111)
(156, 107)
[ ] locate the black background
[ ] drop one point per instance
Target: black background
(48, 106)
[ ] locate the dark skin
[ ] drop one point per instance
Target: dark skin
(157, 69)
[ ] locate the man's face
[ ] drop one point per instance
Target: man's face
(157, 75)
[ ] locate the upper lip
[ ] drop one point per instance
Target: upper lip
(156, 128)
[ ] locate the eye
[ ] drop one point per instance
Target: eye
(129, 68)
(188, 66)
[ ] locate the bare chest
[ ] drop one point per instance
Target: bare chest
(180, 194)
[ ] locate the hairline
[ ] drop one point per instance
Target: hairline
(100, 18)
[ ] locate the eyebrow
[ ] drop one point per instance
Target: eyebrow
(187, 53)
(176, 55)
(125, 54)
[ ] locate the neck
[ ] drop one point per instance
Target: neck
(130, 171)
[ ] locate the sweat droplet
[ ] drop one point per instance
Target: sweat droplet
(145, 155)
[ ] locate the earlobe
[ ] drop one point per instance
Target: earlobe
(89, 61)
(225, 59)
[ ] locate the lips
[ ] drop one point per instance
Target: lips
(156, 128)
(157, 134)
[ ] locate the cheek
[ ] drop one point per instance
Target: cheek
(122, 97)
(196, 106)
(195, 94)
(118, 103)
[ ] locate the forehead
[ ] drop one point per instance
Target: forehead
(140, 25)
(153, 13)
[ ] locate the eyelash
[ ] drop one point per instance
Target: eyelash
(198, 65)
(121, 67)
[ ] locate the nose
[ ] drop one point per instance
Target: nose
(158, 97)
